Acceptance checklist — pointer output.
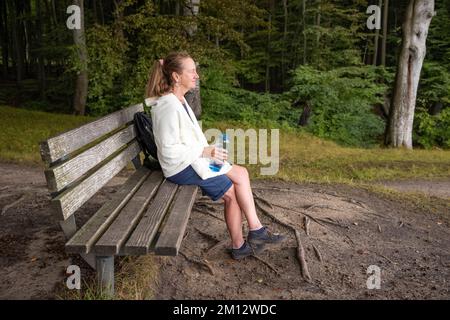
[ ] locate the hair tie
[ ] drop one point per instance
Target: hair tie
(161, 62)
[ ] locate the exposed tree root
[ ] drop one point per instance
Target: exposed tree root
(201, 210)
(306, 222)
(301, 258)
(6, 207)
(317, 252)
(267, 264)
(204, 263)
(266, 202)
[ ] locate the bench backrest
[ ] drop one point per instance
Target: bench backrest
(81, 161)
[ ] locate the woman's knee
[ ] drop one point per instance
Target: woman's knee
(230, 195)
(240, 175)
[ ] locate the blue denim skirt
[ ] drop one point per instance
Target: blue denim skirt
(214, 187)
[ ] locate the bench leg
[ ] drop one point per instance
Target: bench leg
(105, 274)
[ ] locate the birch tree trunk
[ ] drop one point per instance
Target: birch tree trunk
(415, 29)
(81, 86)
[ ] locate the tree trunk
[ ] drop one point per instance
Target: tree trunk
(17, 41)
(283, 63)
(385, 31)
(304, 30)
(81, 87)
(193, 96)
(267, 82)
(41, 63)
(415, 29)
(4, 38)
(375, 45)
(191, 9)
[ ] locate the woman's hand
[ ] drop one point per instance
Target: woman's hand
(215, 153)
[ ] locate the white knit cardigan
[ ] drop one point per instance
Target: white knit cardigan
(180, 140)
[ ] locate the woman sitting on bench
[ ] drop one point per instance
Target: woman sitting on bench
(184, 153)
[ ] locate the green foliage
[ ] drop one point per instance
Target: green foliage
(106, 52)
(223, 101)
(341, 101)
(434, 85)
(432, 130)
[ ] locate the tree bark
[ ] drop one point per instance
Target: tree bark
(415, 29)
(385, 31)
(81, 86)
(304, 30)
(193, 96)
(4, 38)
(375, 46)
(41, 63)
(283, 63)
(17, 41)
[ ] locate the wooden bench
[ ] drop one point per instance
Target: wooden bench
(148, 214)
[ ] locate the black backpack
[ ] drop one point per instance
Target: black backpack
(144, 135)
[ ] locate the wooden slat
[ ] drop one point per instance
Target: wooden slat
(61, 175)
(169, 241)
(70, 200)
(85, 238)
(140, 240)
(112, 240)
(65, 143)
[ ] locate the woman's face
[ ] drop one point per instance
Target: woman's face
(187, 79)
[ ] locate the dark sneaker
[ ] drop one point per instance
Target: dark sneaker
(264, 236)
(245, 251)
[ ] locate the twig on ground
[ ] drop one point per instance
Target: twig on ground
(317, 252)
(266, 202)
(207, 235)
(267, 264)
(215, 246)
(204, 263)
(6, 195)
(268, 213)
(306, 222)
(301, 258)
(383, 256)
(201, 210)
(332, 223)
(6, 207)
(379, 228)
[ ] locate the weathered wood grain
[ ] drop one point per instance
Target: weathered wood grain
(60, 146)
(91, 231)
(65, 173)
(70, 200)
(118, 232)
(169, 241)
(141, 238)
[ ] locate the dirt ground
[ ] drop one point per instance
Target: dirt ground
(353, 229)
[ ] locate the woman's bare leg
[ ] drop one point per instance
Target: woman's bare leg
(233, 217)
(241, 181)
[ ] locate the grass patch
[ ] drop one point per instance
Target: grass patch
(135, 279)
(22, 131)
(303, 157)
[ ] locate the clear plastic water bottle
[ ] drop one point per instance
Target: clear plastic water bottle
(222, 143)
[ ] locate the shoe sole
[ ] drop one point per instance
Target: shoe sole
(256, 251)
